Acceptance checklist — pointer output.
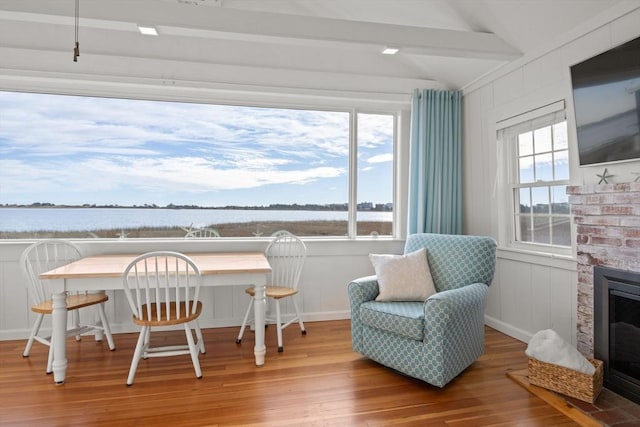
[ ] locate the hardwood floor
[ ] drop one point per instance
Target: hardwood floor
(317, 381)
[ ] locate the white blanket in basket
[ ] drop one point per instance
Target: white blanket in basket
(549, 347)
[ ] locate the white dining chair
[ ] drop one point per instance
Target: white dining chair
(286, 254)
(46, 255)
(202, 233)
(163, 289)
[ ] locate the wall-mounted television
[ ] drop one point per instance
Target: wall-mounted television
(606, 100)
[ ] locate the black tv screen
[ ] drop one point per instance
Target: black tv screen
(606, 100)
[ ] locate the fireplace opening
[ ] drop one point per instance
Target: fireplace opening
(617, 329)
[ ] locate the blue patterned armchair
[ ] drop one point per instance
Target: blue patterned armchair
(437, 339)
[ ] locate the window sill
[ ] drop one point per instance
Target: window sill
(565, 262)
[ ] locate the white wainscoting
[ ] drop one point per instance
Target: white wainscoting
(527, 296)
(330, 265)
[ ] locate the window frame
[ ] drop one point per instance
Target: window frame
(352, 106)
(354, 201)
(507, 132)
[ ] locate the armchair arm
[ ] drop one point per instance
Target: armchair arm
(360, 290)
(454, 327)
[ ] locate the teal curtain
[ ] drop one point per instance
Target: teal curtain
(435, 188)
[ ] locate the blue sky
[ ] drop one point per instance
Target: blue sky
(74, 150)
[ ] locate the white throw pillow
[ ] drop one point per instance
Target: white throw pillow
(403, 277)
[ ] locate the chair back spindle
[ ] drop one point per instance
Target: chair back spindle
(43, 256)
(162, 285)
(286, 254)
(202, 233)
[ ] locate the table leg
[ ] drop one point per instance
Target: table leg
(59, 336)
(259, 308)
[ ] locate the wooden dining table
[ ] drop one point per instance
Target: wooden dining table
(104, 272)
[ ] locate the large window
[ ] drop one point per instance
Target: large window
(538, 173)
(79, 166)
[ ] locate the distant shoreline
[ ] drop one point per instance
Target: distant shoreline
(338, 207)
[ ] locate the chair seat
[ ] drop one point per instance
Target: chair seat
(404, 318)
(74, 302)
(276, 292)
(164, 320)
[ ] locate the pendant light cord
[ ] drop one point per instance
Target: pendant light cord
(76, 48)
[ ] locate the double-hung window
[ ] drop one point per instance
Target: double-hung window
(537, 174)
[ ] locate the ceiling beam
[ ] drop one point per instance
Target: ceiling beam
(191, 20)
(170, 73)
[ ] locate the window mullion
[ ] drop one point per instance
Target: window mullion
(353, 174)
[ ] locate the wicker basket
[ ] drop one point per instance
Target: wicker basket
(567, 381)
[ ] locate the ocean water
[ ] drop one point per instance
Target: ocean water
(87, 219)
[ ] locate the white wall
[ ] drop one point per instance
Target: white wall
(532, 291)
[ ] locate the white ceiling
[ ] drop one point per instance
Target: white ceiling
(443, 43)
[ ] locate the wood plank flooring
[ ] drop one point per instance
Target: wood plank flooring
(317, 381)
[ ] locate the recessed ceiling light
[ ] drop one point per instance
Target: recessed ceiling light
(148, 31)
(390, 50)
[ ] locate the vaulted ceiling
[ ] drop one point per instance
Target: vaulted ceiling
(318, 44)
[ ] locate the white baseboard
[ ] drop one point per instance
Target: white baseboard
(129, 327)
(507, 329)
(327, 315)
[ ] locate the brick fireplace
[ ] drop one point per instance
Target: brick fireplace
(607, 219)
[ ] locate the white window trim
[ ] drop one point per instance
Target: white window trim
(506, 130)
(352, 105)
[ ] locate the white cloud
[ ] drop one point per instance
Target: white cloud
(70, 125)
(84, 145)
(186, 175)
(381, 158)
